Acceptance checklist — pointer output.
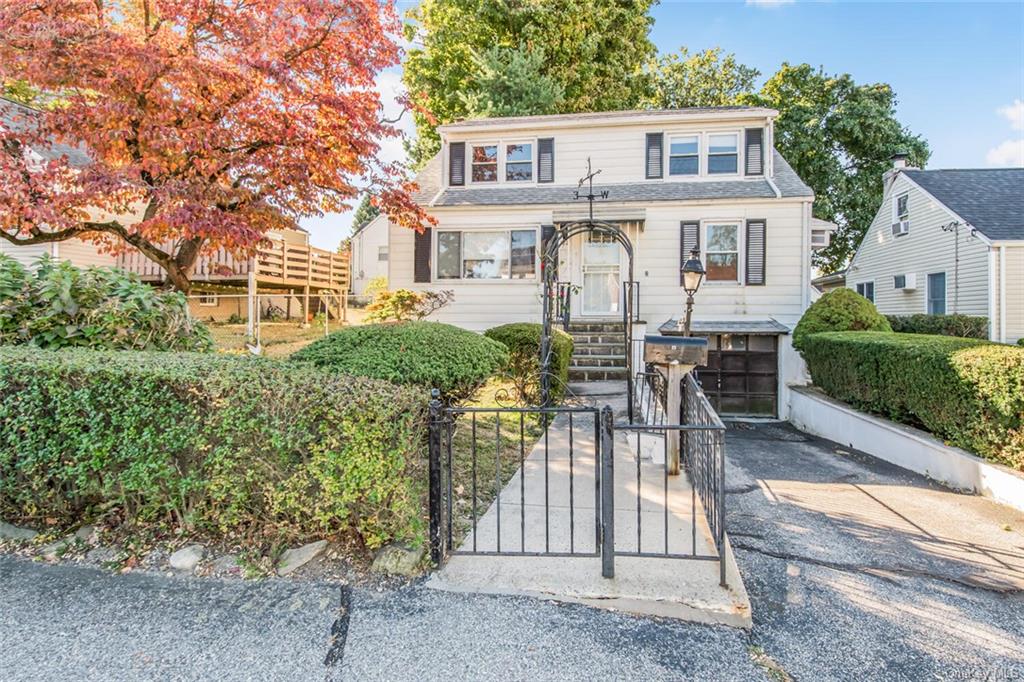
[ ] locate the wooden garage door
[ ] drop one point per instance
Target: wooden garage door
(742, 375)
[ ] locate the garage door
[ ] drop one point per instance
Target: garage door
(741, 378)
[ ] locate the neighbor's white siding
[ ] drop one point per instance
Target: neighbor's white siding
(925, 249)
(1014, 291)
(26, 255)
(366, 246)
(76, 251)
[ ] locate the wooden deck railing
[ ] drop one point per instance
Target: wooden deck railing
(277, 263)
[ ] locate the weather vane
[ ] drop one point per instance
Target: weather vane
(589, 196)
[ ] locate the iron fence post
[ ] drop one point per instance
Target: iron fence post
(434, 447)
(607, 493)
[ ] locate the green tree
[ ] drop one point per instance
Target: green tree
(594, 50)
(704, 79)
(511, 82)
(365, 211)
(839, 137)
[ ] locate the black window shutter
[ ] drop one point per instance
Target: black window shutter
(547, 233)
(755, 151)
(689, 239)
(756, 247)
(456, 163)
(546, 160)
(654, 158)
(421, 256)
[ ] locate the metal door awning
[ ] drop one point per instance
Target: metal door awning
(754, 327)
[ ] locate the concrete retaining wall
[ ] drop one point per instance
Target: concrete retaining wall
(904, 446)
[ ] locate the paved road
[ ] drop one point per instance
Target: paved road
(856, 571)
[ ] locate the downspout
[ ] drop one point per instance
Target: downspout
(1002, 294)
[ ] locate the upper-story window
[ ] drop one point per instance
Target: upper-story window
(684, 155)
(484, 160)
(903, 207)
(519, 162)
(723, 153)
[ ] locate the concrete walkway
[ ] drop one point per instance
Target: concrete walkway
(550, 506)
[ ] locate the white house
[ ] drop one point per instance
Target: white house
(674, 180)
(947, 241)
(369, 249)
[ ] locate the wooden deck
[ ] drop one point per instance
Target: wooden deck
(277, 264)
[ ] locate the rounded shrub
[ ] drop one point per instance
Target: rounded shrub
(62, 306)
(426, 354)
(840, 310)
(523, 342)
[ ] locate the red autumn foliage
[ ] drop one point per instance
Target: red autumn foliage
(210, 121)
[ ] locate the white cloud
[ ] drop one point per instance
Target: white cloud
(1014, 113)
(1009, 153)
(769, 3)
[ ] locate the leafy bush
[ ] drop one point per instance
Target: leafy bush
(425, 354)
(966, 326)
(965, 391)
(523, 342)
(404, 304)
(61, 306)
(223, 444)
(839, 310)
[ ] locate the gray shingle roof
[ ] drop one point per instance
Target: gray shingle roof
(786, 180)
(15, 116)
(990, 199)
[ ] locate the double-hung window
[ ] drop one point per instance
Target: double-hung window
(723, 153)
(484, 163)
(684, 155)
(902, 207)
(486, 254)
(382, 253)
(722, 253)
(867, 290)
(519, 162)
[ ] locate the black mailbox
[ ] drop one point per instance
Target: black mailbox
(675, 350)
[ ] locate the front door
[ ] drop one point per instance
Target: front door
(602, 268)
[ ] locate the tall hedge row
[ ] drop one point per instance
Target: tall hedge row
(965, 391)
(967, 326)
(224, 444)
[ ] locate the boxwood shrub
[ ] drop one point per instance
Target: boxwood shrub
(223, 444)
(967, 326)
(425, 354)
(523, 342)
(965, 391)
(839, 310)
(62, 306)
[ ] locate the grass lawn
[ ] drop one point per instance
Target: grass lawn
(498, 448)
(278, 338)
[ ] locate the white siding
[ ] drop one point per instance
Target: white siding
(26, 255)
(925, 249)
(83, 254)
(365, 249)
(1014, 289)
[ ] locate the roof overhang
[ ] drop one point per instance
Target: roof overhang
(611, 118)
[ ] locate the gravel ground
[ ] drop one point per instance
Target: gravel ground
(856, 570)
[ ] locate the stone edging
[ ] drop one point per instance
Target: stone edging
(904, 446)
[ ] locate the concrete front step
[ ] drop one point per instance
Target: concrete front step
(583, 339)
(578, 373)
(600, 349)
(599, 361)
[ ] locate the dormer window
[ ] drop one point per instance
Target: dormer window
(485, 163)
(684, 155)
(519, 162)
(723, 153)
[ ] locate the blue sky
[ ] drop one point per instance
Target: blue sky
(957, 68)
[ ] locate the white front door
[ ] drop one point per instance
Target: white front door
(602, 286)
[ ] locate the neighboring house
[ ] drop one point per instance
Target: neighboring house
(675, 179)
(369, 249)
(947, 241)
(823, 283)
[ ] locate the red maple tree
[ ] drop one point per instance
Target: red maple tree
(209, 121)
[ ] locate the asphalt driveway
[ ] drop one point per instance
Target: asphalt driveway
(856, 570)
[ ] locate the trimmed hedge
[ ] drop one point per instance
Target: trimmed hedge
(223, 444)
(425, 354)
(965, 391)
(61, 306)
(966, 326)
(839, 310)
(523, 342)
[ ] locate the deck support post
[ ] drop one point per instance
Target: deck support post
(252, 302)
(305, 306)
(288, 306)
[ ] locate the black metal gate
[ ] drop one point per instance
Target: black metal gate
(541, 481)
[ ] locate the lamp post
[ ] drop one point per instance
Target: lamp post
(693, 275)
